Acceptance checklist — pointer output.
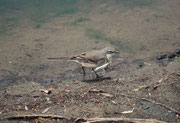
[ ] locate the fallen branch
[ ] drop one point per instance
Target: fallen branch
(88, 120)
(163, 105)
(154, 84)
(100, 92)
(152, 101)
(132, 120)
(34, 116)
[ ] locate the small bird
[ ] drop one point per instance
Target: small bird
(96, 59)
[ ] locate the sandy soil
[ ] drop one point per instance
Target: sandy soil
(140, 32)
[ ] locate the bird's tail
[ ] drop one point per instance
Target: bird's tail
(58, 58)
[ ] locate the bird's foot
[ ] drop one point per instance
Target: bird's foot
(99, 77)
(109, 68)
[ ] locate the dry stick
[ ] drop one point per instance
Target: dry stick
(152, 101)
(35, 116)
(133, 120)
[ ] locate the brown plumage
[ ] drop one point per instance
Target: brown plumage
(91, 59)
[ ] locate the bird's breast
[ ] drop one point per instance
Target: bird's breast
(109, 56)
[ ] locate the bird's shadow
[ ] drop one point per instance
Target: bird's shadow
(97, 79)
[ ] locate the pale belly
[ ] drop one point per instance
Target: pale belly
(109, 57)
(89, 65)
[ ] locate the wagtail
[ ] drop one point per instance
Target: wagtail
(96, 59)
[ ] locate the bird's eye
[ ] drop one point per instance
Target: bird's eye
(110, 51)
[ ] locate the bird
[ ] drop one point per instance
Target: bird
(95, 59)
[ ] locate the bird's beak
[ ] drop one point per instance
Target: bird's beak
(117, 52)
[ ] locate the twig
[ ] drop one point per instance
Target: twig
(156, 84)
(133, 120)
(152, 101)
(163, 105)
(34, 116)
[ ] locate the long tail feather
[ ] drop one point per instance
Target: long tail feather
(58, 58)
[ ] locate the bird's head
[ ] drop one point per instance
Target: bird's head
(110, 50)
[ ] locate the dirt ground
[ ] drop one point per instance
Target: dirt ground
(145, 79)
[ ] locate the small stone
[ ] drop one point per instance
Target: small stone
(172, 55)
(161, 57)
(177, 52)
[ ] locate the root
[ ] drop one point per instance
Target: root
(131, 120)
(152, 101)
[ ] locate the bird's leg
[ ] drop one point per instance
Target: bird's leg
(110, 67)
(84, 73)
(97, 76)
(110, 64)
(104, 71)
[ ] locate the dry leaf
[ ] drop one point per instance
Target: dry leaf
(139, 88)
(46, 91)
(178, 116)
(160, 80)
(106, 95)
(128, 112)
(113, 102)
(95, 90)
(147, 63)
(45, 110)
(26, 108)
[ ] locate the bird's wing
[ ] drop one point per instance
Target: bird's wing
(91, 57)
(94, 56)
